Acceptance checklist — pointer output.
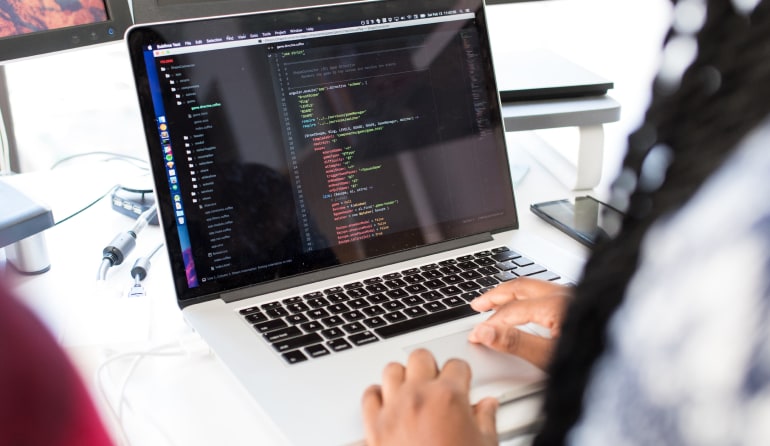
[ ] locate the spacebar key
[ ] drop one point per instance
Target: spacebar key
(428, 320)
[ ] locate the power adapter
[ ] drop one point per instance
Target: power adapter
(133, 202)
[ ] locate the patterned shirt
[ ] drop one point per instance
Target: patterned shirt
(688, 357)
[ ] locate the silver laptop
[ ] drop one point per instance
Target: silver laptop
(334, 188)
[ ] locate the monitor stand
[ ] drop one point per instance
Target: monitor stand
(24, 223)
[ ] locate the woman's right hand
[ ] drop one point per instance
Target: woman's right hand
(518, 302)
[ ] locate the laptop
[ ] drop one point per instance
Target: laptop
(334, 188)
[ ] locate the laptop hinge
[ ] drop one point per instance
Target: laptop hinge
(363, 265)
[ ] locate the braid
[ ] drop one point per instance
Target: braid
(721, 97)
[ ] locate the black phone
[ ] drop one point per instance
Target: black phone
(585, 219)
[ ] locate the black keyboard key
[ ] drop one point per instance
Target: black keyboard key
(393, 305)
(317, 314)
(333, 290)
(546, 275)
(414, 312)
(471, 275)
(316, 351)
(433, 284)
(391, 276)
(429, 267)
(481, 254)
(317, 302)
(465, 258)
(487, 261)
(354, 286)
(523, 261)
(281, 334)
(488, 270)
(291, 300)
(354, 315)
(355, 293)
(270, 305)
(311, 326)
(500, 249)
(377, 298)
(374, 322)
(453, 301)
(297, 307)
(487, 281)
(332, 333)
(397, 293)
(450, 269)
(374, 310)
(255, 318)
(452, 279)
(358, 303)
(337, 298)
(294, 357)
(506, 266)
(313, 295)
(529, 270)
(428, 320)
(297, 342)
(249, 310)
(414, 279)
(274, 324)
(412, 300)
(434, 306)
(295, 319)
(353, 327)
(395, 283)
(505, 256)
(505, 276)
(376, 288)
(337, 308)
(469, 296)
(410, 272)
(415, 289)
(277, 312)
(450, 290)
(431, 295)
(332, 321)
(468, 286)
(447, 262)
(433, 274)
(360, 339)
(394, 317)
(467, 265)
(372, 280)
(339, 345)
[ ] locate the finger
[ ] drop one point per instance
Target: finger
(421, 366)
(547, 311)
(508, 339)
(518, 289)
(392, 379)
(485, 413)
(458, 372)
(371, 405)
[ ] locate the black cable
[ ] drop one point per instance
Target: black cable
(114, 156)
(112, 189)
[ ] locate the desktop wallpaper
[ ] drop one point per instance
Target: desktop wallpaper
(27, 16)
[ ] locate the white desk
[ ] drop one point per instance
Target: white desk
(192, 399)
(186, 398)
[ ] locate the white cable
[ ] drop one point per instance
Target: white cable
(138, 356)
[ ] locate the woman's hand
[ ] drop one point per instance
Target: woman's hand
(422, 405)
(518, 302)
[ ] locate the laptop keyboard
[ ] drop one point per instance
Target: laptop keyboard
(359, 313)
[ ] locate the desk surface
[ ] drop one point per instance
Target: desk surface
(187, 396)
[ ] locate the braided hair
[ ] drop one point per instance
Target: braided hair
(696, 118)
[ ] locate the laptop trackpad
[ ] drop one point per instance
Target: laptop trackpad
(496, 374)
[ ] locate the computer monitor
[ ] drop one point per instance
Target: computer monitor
(31, 28)
(146, 11)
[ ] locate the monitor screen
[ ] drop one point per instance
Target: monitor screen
(146, 11)
(30, 28)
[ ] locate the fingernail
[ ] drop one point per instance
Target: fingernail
(483, 334)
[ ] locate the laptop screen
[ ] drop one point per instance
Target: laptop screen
(287, 142)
